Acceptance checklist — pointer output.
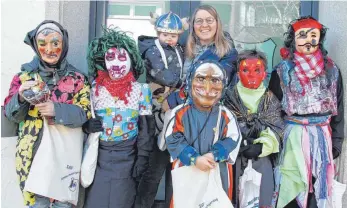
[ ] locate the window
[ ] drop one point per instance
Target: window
(120, 10)
(144, 10)
(133, 9)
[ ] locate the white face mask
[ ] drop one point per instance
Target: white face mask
(118, 63)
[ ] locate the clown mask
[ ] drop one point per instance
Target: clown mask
(207, 86)
(306, 40)
(50, 46)
(252, 73)
(118, 62)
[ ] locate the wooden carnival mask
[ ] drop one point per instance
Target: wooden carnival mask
(207, 86)
(307, 35)
(50, 45)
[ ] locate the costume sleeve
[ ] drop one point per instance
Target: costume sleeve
(15, 110)
(337, 122)
(176, 98)
(177, 144)
(145, 138)
(275, 86)
(158, 72)
(229, 64)
(145, 105)
(228, 147)
(269, 141)
(76, 114)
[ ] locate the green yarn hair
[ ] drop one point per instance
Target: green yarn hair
(113, 37)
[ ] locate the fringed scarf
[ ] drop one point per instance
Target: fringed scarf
(120, 88)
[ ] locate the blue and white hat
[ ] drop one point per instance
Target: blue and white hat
(170, 23)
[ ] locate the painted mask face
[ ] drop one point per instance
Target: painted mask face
(168, 38)
(207, 86)
(252, 73)
(306, 40)
(118, 62)
(49, 46)
(205, 27)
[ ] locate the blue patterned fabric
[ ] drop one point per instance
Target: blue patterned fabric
(170, 23)
(120, 120)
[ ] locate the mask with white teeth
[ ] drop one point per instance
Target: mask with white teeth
(117, 62)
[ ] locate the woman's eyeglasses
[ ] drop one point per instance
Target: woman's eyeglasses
(199, 21)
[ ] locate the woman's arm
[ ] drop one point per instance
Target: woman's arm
(14, 109)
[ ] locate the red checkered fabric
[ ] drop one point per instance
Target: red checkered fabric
(308, 66)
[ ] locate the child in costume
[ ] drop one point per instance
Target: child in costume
(164, 64)
(191, 130)
(125, 108)
(309, 85)
(29, 100)
(258, 113)
(163, 57)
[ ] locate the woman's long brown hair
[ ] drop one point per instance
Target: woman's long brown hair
(223, 45)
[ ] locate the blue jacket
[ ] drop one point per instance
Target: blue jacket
(155, 67)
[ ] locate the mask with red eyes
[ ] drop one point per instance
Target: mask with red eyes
(252, 73)
(117, 62)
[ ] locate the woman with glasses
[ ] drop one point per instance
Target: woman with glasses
(207, 41)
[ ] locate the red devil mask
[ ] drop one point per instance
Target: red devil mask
(252, 72)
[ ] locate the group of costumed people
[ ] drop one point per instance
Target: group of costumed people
(204, 106)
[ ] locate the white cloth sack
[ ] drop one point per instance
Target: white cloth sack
(215, 196)
(195, 188)
(90, 155)
(189, 186)
(56, 167)
(250, 187)
(90, 159)
(337, 194)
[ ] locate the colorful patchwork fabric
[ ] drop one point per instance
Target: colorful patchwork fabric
(71, 89)
(120, 119)
(307, 152)
(320, 94)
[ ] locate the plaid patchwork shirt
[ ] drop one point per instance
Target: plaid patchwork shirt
(308, 67)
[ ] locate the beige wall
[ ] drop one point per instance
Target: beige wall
(332, 15)
(17, 18)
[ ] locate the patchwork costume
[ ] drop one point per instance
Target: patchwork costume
(311, 93)
(125, 107)
(69, 94)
